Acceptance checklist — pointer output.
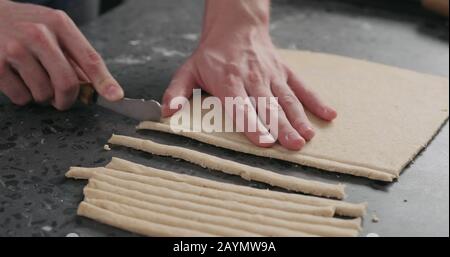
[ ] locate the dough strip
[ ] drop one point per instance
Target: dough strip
(254, 223)
(230, 222)
(134, 225)
(169, 220)
(342, 208)
(230, 167)
(109, 175)
(195, 203)
(163, 192)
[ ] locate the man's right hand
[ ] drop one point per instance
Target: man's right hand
(43, 55)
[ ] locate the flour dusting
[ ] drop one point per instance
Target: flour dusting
(134, 42)
(168, 53)
(130, 60)
(190, 37)
(47, 228)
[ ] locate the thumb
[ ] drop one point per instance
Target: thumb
(110, 89)
(107, 87)
(112, 94)
(181, 85)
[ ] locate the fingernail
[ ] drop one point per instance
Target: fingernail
(113, 92)
(293, 136)
(329, 112)
(305, 127)
(307, 131)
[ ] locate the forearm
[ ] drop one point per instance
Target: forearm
(234, 16)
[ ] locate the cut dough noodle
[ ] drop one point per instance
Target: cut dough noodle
(174, 198)
(231, 205)
(130, 201)
(138, 226)
(386, 115)
(169, 220)
(231, 167)
(342, 208)
(129, 197)
(219, 220)
(111, 176)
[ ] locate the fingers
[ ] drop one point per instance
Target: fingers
(62, 75)
(257, 133)
(81, 51)
(309, 99)
(181, 85)
(30, 70)
(12, 86)
(293, 109)
(286, 134)
(80, 73)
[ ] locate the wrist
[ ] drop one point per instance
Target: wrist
(230, 17)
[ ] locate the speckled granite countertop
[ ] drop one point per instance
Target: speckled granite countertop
(143, 42)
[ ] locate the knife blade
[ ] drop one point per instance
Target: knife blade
(138, 109)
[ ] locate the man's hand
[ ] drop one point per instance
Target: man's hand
(43, 56)
(236, 58)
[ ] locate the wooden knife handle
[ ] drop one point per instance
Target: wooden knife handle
(87, 95)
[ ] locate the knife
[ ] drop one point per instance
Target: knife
(138, 109)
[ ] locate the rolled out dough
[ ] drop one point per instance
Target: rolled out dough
(386, 115)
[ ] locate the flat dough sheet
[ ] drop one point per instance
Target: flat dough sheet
(386, 115)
